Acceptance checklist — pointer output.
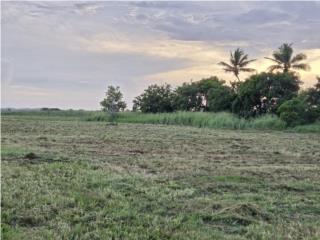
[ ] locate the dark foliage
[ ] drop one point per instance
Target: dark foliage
(264, 93)
(155, 99)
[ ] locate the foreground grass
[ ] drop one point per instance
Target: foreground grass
(87, 180)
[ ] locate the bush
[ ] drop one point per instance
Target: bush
(296, 112)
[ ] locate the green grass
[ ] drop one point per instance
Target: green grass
(310, 128)
(54, 115)
(221, 120)
(88, 180)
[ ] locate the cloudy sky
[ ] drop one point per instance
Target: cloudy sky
(64, 54)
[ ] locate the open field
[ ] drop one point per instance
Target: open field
(88, 180)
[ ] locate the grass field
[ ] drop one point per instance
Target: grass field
(89, 180)
(220, 120)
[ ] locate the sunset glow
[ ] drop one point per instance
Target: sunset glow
(64, 54)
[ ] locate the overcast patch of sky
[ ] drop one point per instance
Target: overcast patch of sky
(49, 52)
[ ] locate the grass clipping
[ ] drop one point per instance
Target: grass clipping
(237, 215)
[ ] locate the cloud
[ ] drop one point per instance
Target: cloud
(88, 7)
(67, 52)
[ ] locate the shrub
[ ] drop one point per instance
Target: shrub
(296, 112)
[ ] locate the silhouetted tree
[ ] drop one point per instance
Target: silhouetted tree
(285, 61)
(238, 63)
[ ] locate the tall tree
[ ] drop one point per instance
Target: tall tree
(285, 61)
(238, 63)
(113, 101)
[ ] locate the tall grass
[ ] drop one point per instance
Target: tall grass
(220, 120)
(309, 128)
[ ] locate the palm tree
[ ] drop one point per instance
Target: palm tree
(285, 60)
(238, 63)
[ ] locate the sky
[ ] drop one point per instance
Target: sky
(65, 54)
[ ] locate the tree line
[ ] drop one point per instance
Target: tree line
(275, 91)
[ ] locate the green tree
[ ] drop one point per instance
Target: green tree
(238, 63)
(155, 99)
(205, 87)
(220, 98)
(312, 95)
(113, 102)
(285, 61)
(197, 96)
(264, 92)
(187, 98)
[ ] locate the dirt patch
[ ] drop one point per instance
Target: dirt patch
(290, 188)
(137, 151)
(31, 156)
(26, 221)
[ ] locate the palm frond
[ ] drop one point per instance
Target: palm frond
(279, 57)
(301, 66)
(243, 58)
(238, 53)
(243, 64)
(228, 70)
(299, 57)
(274, 60)
(232, 59)
(247, 69)
(225, 65)
(275, 67)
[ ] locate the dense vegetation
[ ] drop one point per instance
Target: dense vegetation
(274, 92)
(264, 93)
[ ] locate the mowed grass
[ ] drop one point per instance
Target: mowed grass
(89, 180)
